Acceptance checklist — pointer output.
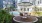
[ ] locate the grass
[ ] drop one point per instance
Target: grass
(36, 13)
(39, 13)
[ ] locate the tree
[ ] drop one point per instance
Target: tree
(37, 10)
(5, 17)
(11, 7)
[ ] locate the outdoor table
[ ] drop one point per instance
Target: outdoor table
(20, 19)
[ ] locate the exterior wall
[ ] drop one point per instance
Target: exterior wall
(15, 3)
(1, 3)
(25, 0)
(7, 3)
(35, 3)
(26, 7)
(22, 5)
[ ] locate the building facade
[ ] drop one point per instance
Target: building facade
(24, 7)
(37, 2)
(8, 3)
(1, 3)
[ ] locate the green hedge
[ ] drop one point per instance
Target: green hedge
(39, 20)
(5, 17)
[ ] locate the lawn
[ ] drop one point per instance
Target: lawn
(39, 13)
(36, 13)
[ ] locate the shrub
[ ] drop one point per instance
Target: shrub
(5, 17)
(39, 20)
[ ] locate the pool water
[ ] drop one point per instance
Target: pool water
(15, 13)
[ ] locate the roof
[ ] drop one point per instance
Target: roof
(25, 2)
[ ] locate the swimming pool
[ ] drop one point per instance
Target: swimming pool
(15, 13)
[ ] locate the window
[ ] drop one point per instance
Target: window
(27, 9)
(40, 9)
(24, 9)
(38, 2)
(21, 9)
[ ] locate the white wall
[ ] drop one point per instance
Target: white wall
(25, 0)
